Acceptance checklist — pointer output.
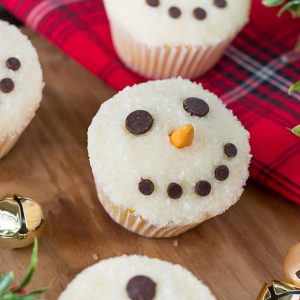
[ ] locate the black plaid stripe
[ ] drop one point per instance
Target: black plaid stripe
(263, 73)
(79, 25)
(282, 158)
(266, 104)
(276, 178)
(108, 70)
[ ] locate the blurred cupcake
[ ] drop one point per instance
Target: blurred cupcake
(21, 85)
(136, 278)
(166, 156)
(166, 38)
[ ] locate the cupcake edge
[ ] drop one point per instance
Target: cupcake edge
(135, 223)
(9, 141)
(166, 61)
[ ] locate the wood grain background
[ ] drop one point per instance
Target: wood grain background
(234, 254)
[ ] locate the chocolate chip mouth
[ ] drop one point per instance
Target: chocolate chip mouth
(203, 188)
(221, 173)
(146, 187)
(174, 190)
(220, 3)
(153, 3)
(230, 150)
(199, 13)
(174, 12)
(13, 64)
(6, 85)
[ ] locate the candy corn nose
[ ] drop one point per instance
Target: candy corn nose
(182, 137)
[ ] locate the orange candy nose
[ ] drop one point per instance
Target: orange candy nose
(182, 137)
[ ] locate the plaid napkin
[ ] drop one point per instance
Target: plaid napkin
(252, 78)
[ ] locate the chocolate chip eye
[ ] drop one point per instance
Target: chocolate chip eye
(6, 85)
(146, 187)
(174, 12)
(196, 107)
(153, 3)
(199, 13)
(174, 190)
(221, 173)
(13, 64)
(298, 274)
(230, 150)
(141, 288)
(220, 3)
(139, 122)
(203, 188)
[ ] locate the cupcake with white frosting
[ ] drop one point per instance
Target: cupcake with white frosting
(21, 85)
(166, 38)
(166, 156)
(136, 278)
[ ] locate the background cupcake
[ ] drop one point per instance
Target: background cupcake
(136, 278)
(21, 85)
(172, 157)
(167, 38)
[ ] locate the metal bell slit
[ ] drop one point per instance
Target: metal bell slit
(21, 221)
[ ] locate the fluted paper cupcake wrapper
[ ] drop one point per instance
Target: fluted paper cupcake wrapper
(166, 61)
(136, 223)
(8, 143)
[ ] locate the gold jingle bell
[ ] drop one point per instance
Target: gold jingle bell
(21, 221)
(289, 290)
(279, 291)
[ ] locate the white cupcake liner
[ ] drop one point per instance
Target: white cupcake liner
(166, 61)
(7, 143)
(136, 223)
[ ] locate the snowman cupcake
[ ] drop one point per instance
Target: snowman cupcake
(136, 278)
(166, 38)
(21, 85)
(166, 156)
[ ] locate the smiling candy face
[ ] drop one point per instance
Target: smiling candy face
(139, 167)
(190, 22)
(140, 122)
(20, 80)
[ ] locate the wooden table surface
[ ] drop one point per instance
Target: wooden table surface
(234, 254)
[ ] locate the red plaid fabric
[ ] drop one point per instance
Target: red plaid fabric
(252, 78)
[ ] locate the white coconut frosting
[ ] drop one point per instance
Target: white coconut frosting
(153, 25)
(119, 159)
(108, 279)
(18, 107)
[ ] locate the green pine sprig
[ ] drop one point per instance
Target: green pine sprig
(294, 88)
(292, 6)
(296, 130)
(7, 292)
(297, 48)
